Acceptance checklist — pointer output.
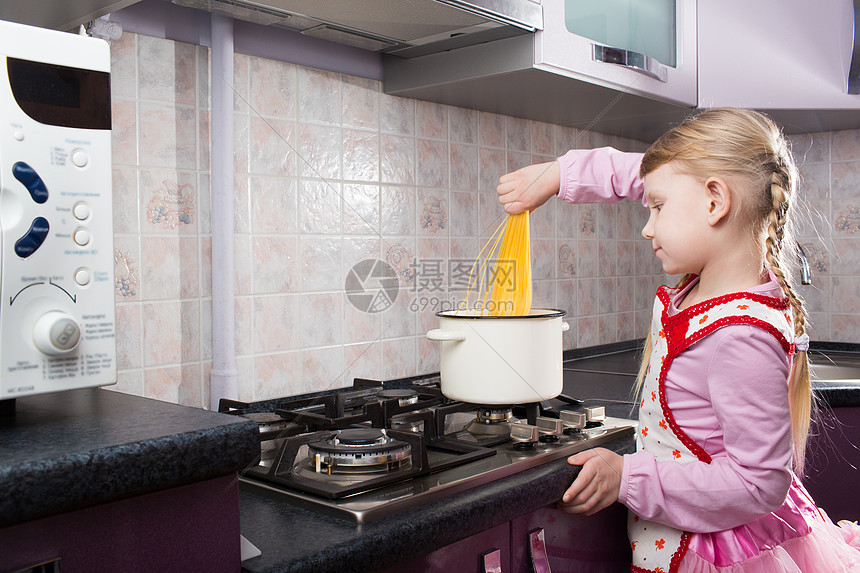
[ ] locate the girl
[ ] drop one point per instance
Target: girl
(726, 400)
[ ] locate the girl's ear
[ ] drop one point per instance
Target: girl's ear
(719, 198)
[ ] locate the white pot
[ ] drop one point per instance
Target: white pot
(501, 360)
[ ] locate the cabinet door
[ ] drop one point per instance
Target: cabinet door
(587, 544)
(559, 50)
(776, 54)
(464, 556)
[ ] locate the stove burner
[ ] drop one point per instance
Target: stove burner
(494, 415)
(403, 397)
(359, 450)
(491, 421)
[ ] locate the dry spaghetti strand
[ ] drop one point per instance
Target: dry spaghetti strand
(507, 261)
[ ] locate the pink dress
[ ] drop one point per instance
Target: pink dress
(739, 504)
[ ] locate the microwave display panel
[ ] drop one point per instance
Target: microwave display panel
(59, 95)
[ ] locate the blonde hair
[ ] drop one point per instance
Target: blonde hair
(747, 148)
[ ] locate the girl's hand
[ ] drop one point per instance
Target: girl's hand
(597, 484)
(528, 188)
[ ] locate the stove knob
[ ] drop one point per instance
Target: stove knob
(56, 332)
(595, 413)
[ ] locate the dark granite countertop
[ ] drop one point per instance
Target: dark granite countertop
(610, 374)
(69, 450)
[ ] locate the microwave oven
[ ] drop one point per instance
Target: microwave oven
(57, 315)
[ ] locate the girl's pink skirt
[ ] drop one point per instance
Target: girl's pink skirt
(797, 538)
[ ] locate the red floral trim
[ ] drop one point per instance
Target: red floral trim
(680, 553)
(688, 442)
(675, 563)
(676, 327)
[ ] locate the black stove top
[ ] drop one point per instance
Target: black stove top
(378, 447)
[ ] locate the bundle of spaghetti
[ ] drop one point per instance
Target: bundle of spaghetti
(505, 260)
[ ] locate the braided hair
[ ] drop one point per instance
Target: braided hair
(746, 147)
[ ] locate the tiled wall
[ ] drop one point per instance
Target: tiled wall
(329, 171)
(830, 231)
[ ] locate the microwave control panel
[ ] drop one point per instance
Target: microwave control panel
(57, 314)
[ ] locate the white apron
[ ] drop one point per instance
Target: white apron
(659, 548)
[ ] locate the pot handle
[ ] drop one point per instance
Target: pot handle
(446, 335)
(565, 326)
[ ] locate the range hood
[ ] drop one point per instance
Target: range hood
(407, 28)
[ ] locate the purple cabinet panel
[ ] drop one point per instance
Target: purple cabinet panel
(833, 463)
(593, 544)
(464, 556)
(193, 527)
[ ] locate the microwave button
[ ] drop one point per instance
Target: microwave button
(81, 211)
(82, 277)
(79, 158)
(82, 237)
(33, 238)
(31, 180)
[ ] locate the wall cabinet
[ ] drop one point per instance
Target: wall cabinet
(597, 544)
(607, 43)
(776, 54)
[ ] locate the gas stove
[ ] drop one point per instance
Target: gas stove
(377, 448)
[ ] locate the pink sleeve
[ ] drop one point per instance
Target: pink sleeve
(603, 175)
(748, 476)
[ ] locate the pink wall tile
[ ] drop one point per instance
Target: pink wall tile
(432, 212)
(397, 159)
(360, 209)
(322, 369)
(167, 135)
(273, 88)
(126, 261)
(321, 259)
(273, 205)
(167, 72)
(126, 214)
(170, 268)
(518, 134)
(320, 206)
(277, 323)
(124, 132)
(463, 214)
(398, 216)
(275, 264)
(360, 155)
(431, 120)
(319, 151)
(397, 114)
(322, 316)
(123, 66)
(273, 147)
(491, 166)
(360, 102)
(431, 163)
(362, 360)
(129, 337)
(845, 145)
(277, 375)
(491, 129)
(463, 125)
(463, 162)
(168, 202)
(171, 332)
(398, 357)
(319, 96)
(179, 384)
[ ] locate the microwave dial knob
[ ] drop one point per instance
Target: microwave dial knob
(56, 332)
